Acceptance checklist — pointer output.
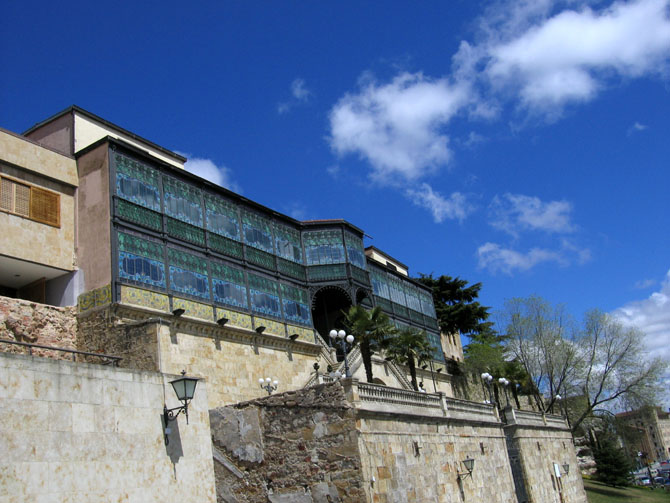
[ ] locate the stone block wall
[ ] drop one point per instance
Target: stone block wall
(25, 321)
(297, 447)
(73, 432)
(544, 447)
(420, 460)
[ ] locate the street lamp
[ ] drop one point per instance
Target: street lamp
(344, 341)
(268, 384)
(469, 465)
(184, 388)
(505, 383)
(488, 378)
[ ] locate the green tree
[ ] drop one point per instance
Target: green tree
(456, 306)
(409, 347)
(371, 328)
(613, 466)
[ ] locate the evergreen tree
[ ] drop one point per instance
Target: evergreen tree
(612, 464)
(456, 306)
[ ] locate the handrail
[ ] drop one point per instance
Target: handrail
(114, 359)
(369, 392)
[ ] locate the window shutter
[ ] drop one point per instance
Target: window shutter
(22, 199)
(44, 206)
(6, 194)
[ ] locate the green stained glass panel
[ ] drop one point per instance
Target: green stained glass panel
(187, 261)
(257, 231)
(139, 246)
(182, 201)
(225, 246)
(360, 275)
(293, 293)
(137, 182)
(287, 243)
(261, 258)
(291, 269)
(226, 272)
(138, 215)
(263, 284)
(384, 304)
(187, 232)
(327, 272)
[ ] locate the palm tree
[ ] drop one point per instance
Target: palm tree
(409, 347)
(370, 328)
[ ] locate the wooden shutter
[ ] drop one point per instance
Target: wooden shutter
(6, 194)
(45, 206)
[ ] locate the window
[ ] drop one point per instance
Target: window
(31, 202)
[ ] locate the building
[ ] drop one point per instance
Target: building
(171, 272)
(647, 431)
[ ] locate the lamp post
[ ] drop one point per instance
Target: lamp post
(184, 388)
(505, 383)
(344, 341)
(268, 384)
(488, 378)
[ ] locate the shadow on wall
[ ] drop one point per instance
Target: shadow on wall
(173, 447)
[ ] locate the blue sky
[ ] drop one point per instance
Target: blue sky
(523, 145)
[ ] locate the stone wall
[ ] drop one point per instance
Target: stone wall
(232, 359)
(294, 447)
(83, 432)
(545, 447)
(25, 321)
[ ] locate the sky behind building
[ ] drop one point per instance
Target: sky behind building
(523, 144)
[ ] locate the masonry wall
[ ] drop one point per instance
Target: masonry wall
(419, 460)
(72, 432)
(25, 321)
(544, 448)
(231, 359)
(298, 447)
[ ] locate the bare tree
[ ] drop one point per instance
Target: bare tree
(602, 362)
(542, 338)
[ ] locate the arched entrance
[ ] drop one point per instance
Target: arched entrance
(328, 305)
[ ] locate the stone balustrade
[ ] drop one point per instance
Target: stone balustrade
(529, 418)
(383, 399)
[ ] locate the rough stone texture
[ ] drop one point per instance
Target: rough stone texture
(309, 448)
(73, 432)
(25, 321)
(136, 344)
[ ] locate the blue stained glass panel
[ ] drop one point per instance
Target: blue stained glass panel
(265, 303)
(355, 250)
(141, 269)
(412, 297)
(380, 285)
(288, 245)
(257, 231)
(229, 293)
(324, 247)
(189, 282)
(427, 306)
(222, 217)
(397, 295)
(138, 192)
(182, 201)
(297, 312)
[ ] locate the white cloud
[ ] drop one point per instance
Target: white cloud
(569, 56)
(299, 94)
(456, 207)
(397, 127)
(636, 128)
(207, 169)
(495, 258)
(645, 283)
(514, 213)
(652, 316)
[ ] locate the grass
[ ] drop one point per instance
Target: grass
(598, 492)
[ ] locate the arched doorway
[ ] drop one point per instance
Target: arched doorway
(328, 305)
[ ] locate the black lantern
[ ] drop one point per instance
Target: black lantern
(184, 388)
(469, 465)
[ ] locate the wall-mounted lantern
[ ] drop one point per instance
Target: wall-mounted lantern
(184, 388)
(469, 465)
(260, 329)
(178, 312)
(566, 468)
(222, 321)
